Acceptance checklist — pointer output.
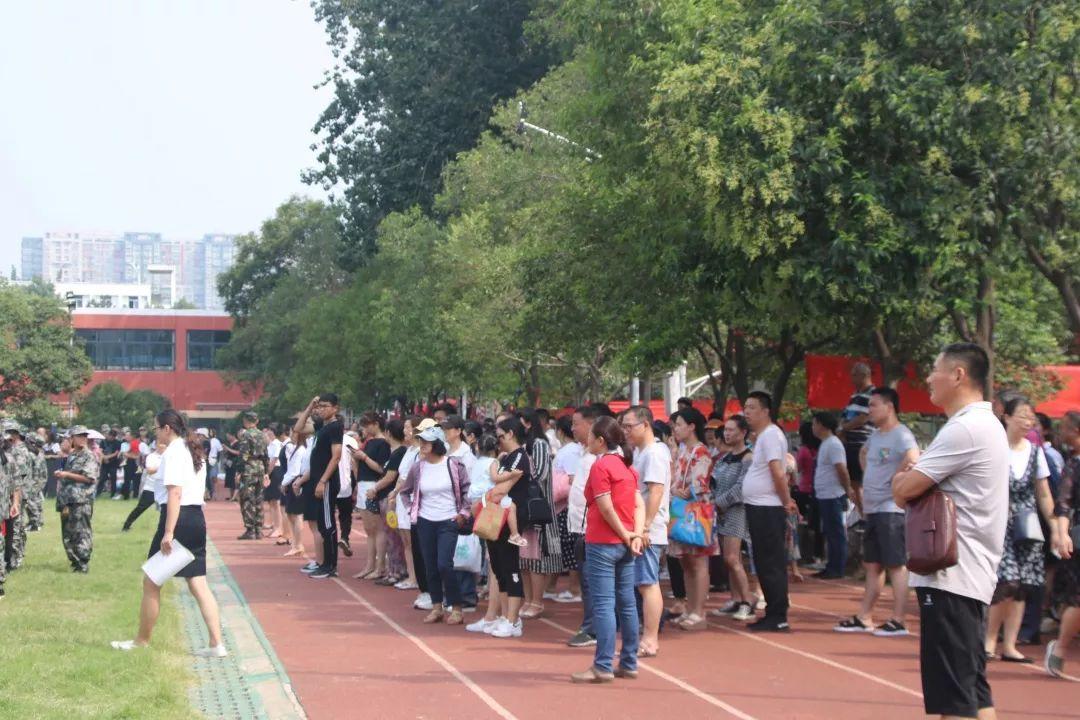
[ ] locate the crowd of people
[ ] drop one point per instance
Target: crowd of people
(459, 510)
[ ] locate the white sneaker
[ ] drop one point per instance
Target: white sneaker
(743, 613)
(508, 630)
(760, 604)
(125, 645)
(482, 626)
(423, 602)
(551, 595)
(218, 651)
(727, 608)
(567, 597)
(492, 626)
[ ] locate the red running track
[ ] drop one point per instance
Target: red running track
(355, 650)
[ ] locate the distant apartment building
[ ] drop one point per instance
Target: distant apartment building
(176, 269)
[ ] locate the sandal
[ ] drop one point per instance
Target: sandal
(282, 541)
(692, 623)
(643, 653)
(294, 552)
(592, 676)
(532, 614)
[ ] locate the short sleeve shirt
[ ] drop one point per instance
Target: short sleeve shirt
(653, 466)
(610, 476)
(329, 435)
(827, 484)
(859, 404)
(758, 487)
(884, 451)
(518, 460)
(969, 462)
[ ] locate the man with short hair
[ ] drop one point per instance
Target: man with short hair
(969, 462)
(322, 481)
(832, 488)
(581, 426)
(855, 425)
(891, 446)
(251, 445)
(768, 503)
(652, 460)
(110, 461)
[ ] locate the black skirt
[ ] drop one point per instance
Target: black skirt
(191, 533)
(272, 492)
(294, 502)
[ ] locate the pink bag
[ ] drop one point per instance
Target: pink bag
(560, 489)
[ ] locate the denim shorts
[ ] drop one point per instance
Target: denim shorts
(647, 566)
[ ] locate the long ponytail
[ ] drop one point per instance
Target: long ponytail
(173, 420)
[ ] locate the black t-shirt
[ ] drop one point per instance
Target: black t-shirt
(392, 464)
(328, 435)
(108, 447)
(378, 450)
(518, 460)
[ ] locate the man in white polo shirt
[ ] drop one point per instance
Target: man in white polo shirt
(969, 462)
(768, 502)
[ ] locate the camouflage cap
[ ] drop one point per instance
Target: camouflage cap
(12, 426)
(251, 416)
(78, 430)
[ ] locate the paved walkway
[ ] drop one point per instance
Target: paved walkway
(251, 683)
(355, 650)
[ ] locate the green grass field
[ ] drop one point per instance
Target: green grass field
(55, 628)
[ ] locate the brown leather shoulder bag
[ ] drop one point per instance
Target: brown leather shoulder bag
(931, 533)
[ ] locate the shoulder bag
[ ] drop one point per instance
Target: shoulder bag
(931, 533)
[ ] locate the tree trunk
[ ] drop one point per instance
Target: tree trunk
(1062, 282)
(532, 388)
(791, 354)
(985, 319)
(646, 389)
(892, 367)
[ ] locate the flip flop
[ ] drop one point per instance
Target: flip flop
(643, 653)
(282, 541)
(1023, 660)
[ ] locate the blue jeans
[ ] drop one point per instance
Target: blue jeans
(610, 573)
(467, 587)
(438, 540)
(833, 527)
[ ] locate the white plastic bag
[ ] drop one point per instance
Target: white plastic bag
(467, 554)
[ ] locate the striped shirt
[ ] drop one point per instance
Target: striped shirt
(859, 404)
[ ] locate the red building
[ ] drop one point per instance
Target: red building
(168, 351)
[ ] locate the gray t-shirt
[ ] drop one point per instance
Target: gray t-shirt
(884, 451)
(653, 465)
(969, 461)
(826, 477)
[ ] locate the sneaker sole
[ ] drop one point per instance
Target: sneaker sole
(852, 630)
(898, 633)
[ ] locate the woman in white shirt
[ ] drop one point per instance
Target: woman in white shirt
(147, 495)
(179, 495)
(297, 465)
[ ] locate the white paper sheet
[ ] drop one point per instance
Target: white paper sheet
(161, 567)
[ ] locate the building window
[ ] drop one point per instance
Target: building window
(133, 302)
(202, 347)
(129, 349)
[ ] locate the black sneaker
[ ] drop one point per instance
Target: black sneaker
(582, 639)
(310, 567)
(323, 573)
(852, 625)
(249, 535)
(769, 625)
(893, 628)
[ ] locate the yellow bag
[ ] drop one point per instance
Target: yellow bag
(391, 519)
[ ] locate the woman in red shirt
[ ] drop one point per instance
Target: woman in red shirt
(615, 519)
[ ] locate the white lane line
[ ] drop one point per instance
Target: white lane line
(820, 659)
(700, 694)
(426, 649)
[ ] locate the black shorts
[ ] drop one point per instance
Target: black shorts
(952, 657)
(272, 492)
(883, 542)
(191, 533)
(312, 504)
(294, 504)
(854, 468)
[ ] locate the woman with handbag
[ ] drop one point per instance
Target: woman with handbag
(545, 558)
(614, 537)
(438, 488)
(690, 482)
(1022, 569)
(1067, 512)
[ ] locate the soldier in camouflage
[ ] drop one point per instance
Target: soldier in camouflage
(75, 500)
(9, 505)
(21, 467)
(251, 476)
(35, 517)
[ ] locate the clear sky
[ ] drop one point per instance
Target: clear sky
(182, 117)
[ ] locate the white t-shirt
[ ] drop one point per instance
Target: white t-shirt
(826, 477)
(969, 461)
(553, 440)
(1018, 461)
(653, 465)
(576, 504)
(295, 466)
(152, 473)
(567, 459)
(273, 449)
(436, 492)
(177, 470)
(145, 447)
(758, 487)
(480, 478)
(465, 454)
(345, 466)
(215, 450)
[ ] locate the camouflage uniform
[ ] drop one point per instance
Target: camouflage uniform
(21, 468)
(7, 491)
(252, 447)
(75, 500)
(35, 517)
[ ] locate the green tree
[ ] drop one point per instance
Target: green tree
(109, 403)
(38, 353)
(414, 85)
